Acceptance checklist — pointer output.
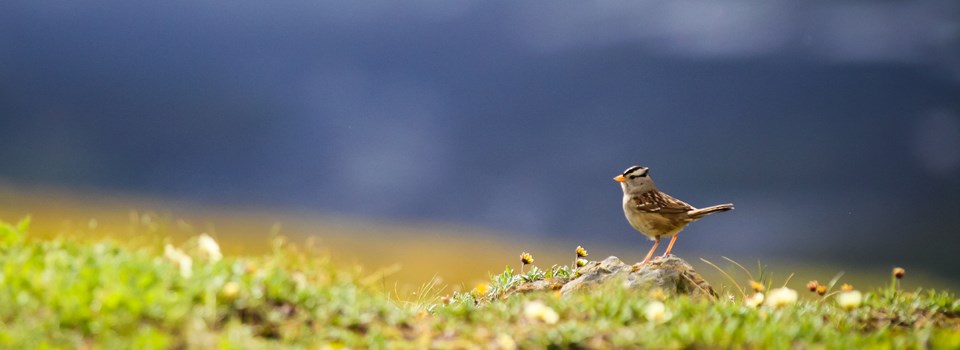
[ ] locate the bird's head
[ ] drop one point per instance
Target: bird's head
(635, 179)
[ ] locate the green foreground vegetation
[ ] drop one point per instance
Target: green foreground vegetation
(65, 293)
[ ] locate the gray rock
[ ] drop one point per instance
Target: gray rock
(672, 275)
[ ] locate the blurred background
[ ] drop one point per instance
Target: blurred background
(445, 136)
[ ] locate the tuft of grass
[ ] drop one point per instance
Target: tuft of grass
(610, 316)
(63, 293)
(67, 294)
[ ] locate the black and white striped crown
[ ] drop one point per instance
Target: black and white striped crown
(635, 171)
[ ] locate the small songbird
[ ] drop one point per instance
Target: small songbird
(655, 214)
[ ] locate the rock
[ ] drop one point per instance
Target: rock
(550, 284)
(671, 274)
(547, 284)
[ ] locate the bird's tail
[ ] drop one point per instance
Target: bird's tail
(699, 213)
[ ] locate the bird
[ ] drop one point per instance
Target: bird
(656, 214)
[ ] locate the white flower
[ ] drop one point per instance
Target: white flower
(180, 258)
(754, 300)
(300, 279)
(780, 297)
(209, 247)
(850, 300)
(538, 311)
(656, 312)
(172, 253)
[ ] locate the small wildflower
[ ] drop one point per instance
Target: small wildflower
(850, 300)
(581, 252)
(299, 279)
(657, 294)
(526, 258)
(480, 290)
(186, 267)
(821, 290)
(813, 285)
(179, 258)
(581, 262)
(846, 287)
(230, 290)
(250, 268)
(172, 253)
(754, 300)
(656, 312)
(780, 297)
(209, 247)
(538, 311)
(898, 272)
(757, 287)
(505, 342)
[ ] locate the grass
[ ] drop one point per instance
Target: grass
(391, 249)
(394, 249)
(67, 293)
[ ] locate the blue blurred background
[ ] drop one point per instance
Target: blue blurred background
(834, 126)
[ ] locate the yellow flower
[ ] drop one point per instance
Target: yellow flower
(898, 272)
(658, 294)
(656, 312)
(821, 289)
(480, 290)
(249, 268)
(781, 297)
(846, 287)
(581, 252)
(581, 262)
(757, 287)
(526, 258)
(538, 311)
(850, 300)
(230, 290)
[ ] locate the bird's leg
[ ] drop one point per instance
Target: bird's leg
(670, 246)
(655, 244)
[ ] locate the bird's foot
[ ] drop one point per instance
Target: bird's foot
(638, 265)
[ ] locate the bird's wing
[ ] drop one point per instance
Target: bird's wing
(659, 202)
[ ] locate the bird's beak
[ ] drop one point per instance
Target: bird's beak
(619, 178)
